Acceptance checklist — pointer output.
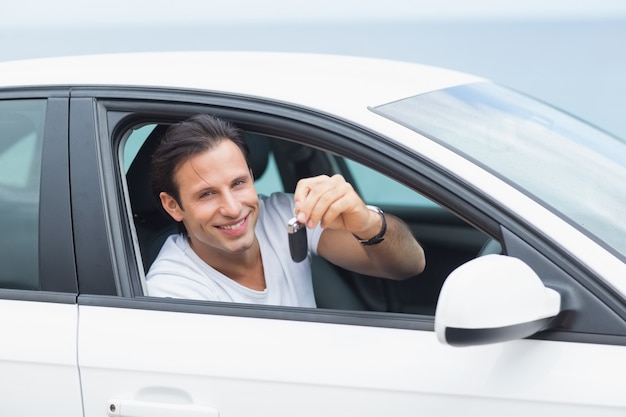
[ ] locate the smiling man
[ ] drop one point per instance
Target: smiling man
(234, 244)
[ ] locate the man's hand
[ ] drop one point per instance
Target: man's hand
(333, 202)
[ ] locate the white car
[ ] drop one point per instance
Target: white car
(520, 209)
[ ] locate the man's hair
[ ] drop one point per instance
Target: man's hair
(185, 139)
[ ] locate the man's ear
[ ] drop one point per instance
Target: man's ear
(170, 205)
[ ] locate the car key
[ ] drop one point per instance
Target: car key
(297, 240)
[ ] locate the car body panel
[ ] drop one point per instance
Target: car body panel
(284, 367)
(38, 358)
(301, 79)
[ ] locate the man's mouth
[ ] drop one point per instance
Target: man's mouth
(233, 226)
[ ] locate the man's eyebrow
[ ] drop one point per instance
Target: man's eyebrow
(241, 178)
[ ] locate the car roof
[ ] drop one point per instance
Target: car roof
(307, 79)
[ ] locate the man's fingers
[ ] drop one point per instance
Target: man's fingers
(325, 199)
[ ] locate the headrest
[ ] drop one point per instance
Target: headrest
(259, 147)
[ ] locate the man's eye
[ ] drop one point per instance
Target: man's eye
(206, 194)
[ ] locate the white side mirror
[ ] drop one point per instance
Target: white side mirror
(493, 298)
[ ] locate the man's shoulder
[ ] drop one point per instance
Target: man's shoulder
(172, 255)
(174, 243)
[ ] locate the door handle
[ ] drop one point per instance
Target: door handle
(132, 408)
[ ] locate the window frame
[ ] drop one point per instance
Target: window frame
(121, 108)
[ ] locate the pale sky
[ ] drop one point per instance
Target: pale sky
(23, 13)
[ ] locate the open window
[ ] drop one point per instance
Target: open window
(277, 164)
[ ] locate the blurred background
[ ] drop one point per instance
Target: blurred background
(570, 53)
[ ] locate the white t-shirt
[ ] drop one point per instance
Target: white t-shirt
(178, 272)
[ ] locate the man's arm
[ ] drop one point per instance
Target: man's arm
(333, 202)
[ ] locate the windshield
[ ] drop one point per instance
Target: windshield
(573, 168)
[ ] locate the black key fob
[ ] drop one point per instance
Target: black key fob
(297, 240)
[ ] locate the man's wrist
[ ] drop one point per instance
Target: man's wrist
(380, 236)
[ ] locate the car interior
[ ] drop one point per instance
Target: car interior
(277, 164)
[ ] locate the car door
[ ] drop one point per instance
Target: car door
(38, 288)
(142, 356)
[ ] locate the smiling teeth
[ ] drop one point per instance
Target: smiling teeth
(233, 226)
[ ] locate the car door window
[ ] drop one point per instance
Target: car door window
(448, 240)
(21, 124)
(378, 189)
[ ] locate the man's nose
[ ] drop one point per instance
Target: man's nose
(231, 207)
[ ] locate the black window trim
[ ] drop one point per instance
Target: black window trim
(57, 262)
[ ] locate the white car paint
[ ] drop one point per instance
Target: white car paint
(336, 84)
(38, 359)
(493, 291)
(259, 367)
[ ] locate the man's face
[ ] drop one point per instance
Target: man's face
(220, 206)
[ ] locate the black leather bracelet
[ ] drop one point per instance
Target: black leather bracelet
(379, 237)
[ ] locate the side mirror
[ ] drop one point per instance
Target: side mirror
(493, 298)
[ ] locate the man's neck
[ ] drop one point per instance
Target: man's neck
(244, 268)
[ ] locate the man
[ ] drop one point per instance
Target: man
(234, 246)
